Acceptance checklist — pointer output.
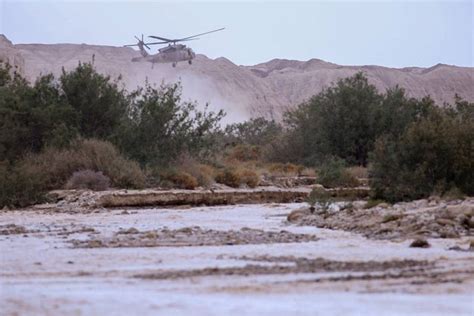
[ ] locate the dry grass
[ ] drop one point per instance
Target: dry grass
(249, 177)
(285, 169)
(244, 152)
(308, 172)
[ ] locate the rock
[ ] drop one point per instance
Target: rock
(465, 221)
(358, 205)
(391, 217)
(296, 215)
(456, 210)
(470, 224)
(421, 203)
(449, 234)
(445, 222)
(383, 205)
(420, 243)
(131, 230)
(432, 203)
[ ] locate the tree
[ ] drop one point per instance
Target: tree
(162, 127)
(32, 116)
(100, 104)
(340, 121)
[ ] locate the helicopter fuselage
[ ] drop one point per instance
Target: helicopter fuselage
(170, 54)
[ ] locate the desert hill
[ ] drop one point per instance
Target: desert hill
(242, 91)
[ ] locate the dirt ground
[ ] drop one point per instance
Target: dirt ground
(222, 260)
(434, 218)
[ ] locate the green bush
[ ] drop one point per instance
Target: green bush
(334, 174)
(319, 196)
(255, 132)
(432, 156)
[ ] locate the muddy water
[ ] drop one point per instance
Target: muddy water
(232, 260)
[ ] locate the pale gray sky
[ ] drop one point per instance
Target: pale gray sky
(388, 33)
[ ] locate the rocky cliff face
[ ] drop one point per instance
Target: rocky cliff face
(9, 54)
(242, 91)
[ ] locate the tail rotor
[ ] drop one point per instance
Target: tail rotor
(140, 43)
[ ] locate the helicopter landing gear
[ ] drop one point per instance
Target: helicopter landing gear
(174, 65)
(190, 61)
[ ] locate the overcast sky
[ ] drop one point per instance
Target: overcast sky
(388, 33)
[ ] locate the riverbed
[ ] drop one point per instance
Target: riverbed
(221, 260)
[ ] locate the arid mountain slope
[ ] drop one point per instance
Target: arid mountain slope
(242, 91)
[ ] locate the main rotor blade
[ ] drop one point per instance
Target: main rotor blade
(185, 38)
(157, 43)
(174, 41)
(161, 38)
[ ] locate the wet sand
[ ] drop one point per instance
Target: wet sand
(233, 260)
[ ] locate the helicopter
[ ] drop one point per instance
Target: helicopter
(173, 53)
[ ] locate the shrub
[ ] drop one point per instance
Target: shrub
(19, 187)
(123, 173)
(319, 196)
(235, 177)
(229, 177)
(26, 182)
(88, 179)
(245, 152)
(249, 177)
(334, 174)
(56, 166)
(204, 174)
(179, 179)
